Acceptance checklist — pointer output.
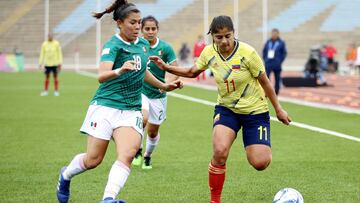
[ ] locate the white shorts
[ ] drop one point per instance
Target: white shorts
(100, 121)
(156, 109)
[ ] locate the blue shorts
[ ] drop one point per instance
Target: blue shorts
(256, 128)
(51, 69)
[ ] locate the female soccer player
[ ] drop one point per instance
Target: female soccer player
(115, 110)
(154, 101)
(241, 81)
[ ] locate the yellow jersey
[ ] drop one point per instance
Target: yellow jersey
(51, 54)
(236, 78)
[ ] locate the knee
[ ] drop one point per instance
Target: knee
(91, 162)
(152, 133)
(261, 163)
(220, 155)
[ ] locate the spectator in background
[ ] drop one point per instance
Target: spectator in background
(198, 47)
(274, 54)
(184, 53)
(51, 58)
(330, 52)
(350, 58)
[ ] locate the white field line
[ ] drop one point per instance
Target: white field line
(297, 124)
(291, 100)
(201, 101)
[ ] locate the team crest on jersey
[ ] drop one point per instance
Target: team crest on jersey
(161, 53)
(236, 66)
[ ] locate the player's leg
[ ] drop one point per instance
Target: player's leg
(152, 140)
(277, 74)
(127, 141)
(46, 82)
(225, 129)
(56, 82)
(256, 137)
(96, 149)
(145, 112)
(100, 133)
(223, 137)
(157, 115)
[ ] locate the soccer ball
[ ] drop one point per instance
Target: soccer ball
(288, 195)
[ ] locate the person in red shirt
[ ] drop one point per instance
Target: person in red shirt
(198, 47)
(330, 52)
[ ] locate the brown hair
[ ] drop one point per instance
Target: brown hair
(121, 9)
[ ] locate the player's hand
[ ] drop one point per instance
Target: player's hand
(159, 62)
(176, 84)
(127, 66)
(283, 116)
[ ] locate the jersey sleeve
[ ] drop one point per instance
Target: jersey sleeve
(203, 60)
(170, 54)
(108, 53)
(42, 53)
(255, 64)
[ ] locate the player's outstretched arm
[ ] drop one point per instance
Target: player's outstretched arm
(176, 70)
(281, 114)
(106, 73)
(150, 78)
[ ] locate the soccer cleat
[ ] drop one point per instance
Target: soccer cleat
(111, 200)
(44, 93)
(147, 163)
(56, 94)
(137, 159)
(63, 188)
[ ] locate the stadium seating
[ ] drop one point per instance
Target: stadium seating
(302, 23)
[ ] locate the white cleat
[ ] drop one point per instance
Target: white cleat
(56, 94)
(44, 93)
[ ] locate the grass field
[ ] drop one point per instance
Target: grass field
(39, 135)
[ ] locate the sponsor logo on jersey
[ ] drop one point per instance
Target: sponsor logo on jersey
(145, 50)
(105, 51)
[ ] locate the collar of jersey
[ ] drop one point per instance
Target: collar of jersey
(128, 43)
(232, 53)
(156, 44)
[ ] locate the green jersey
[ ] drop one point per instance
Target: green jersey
(167, 54)
(123, 92)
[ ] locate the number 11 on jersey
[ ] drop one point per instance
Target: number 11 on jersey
(261, 130)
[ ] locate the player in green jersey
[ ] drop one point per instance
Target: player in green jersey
(242, 90)
(153, 101)
(115, 110)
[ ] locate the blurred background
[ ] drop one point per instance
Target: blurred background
(303, 24)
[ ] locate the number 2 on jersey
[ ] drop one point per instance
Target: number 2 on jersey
(227, 85)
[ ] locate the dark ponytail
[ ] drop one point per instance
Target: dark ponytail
(121, 9)
(219, 23)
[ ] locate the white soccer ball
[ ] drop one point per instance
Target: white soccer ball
(288, 195)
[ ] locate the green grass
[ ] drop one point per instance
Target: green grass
(39, 135)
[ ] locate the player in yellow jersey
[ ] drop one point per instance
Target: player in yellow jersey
(51, 58)
(242, 90)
